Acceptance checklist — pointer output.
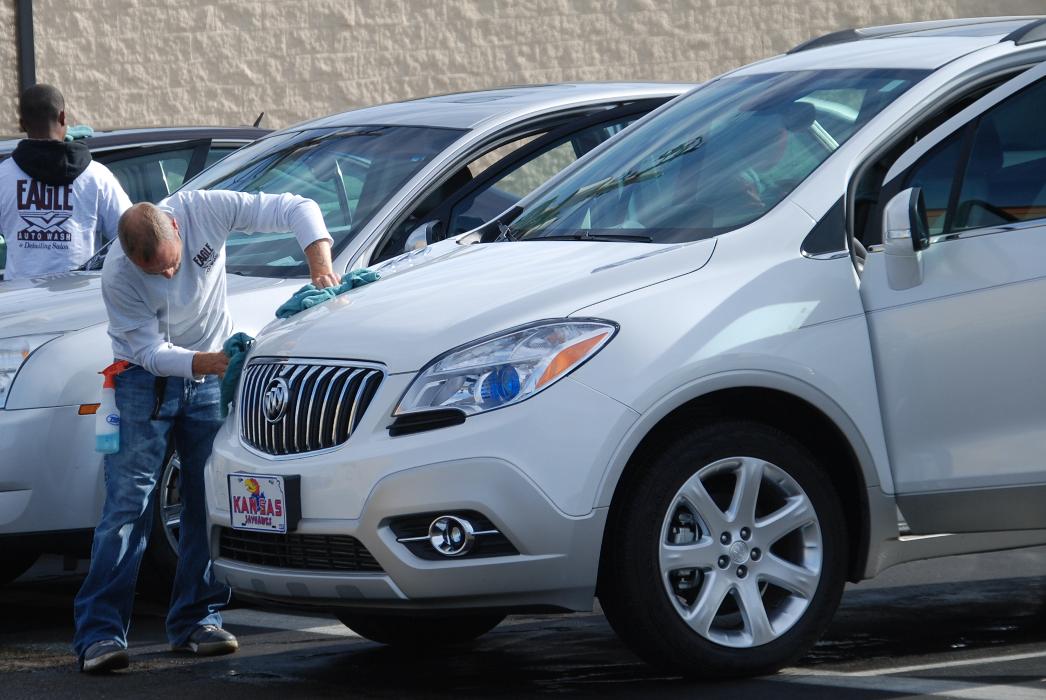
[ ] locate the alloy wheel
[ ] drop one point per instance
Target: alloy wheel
(171, 501)
(741, 552)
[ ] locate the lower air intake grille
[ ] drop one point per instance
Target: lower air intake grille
(312, 552)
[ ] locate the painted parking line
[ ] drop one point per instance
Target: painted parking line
(930, 687)
(951, 664)
(917, 668)
(893, 679)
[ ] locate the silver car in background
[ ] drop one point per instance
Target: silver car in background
(388, 179)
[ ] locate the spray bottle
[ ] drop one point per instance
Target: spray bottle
(107, 419)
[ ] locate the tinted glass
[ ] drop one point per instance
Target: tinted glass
(935, 174)
(717, 159)
(350, 173)
(153, 176)
(1005, 177)
(521, 179)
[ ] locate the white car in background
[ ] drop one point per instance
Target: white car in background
(389, 178)
(699, 374)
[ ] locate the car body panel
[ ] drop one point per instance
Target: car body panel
(425, 303)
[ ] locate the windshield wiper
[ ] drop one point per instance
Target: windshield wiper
(505, 233)
(636, 237)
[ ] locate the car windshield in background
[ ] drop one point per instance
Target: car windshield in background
(716, 160)
(350, 172)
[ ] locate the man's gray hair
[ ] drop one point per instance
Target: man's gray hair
(142, 229)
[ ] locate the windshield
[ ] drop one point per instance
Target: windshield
(716, 160)
(349, 172)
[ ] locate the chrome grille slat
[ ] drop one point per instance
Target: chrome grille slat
(325, 403)
(355, 402)
(297, 406)
(312, 403)
(270, 428)
(341, 402)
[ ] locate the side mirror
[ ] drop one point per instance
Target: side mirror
(422, 236)
(906, 233)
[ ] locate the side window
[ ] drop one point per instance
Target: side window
(935, 174)
(426, 209)
(519, 180)
(153, 176)
(1005, 178)
(217, 153)
(507, 189)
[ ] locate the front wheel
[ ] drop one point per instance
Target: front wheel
(417, 631)
(727, 556)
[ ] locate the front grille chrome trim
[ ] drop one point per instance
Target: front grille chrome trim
(310, 424)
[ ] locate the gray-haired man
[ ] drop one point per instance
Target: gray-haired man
(165, 292)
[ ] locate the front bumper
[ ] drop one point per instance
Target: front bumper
(529, 469)
(50, 476)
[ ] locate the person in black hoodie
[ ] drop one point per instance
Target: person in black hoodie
(57, 206)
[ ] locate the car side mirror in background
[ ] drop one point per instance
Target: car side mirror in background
(906, 233)
(422, 236)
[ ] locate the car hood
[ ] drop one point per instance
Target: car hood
(408, 317)
(70, 302)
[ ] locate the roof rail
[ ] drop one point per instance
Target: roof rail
(840, 37)
(1029, 33)
(1035, 30)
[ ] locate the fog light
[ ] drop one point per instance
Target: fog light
(451, 536)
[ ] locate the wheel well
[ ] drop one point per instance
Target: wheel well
(787, 413)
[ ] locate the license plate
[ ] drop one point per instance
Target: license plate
(264, 502)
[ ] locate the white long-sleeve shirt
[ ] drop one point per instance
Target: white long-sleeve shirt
(54, 228)
(160, 324)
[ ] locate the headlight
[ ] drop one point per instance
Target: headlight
(13, 352)
(507, 368)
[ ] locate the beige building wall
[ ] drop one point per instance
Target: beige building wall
(8, 69)
(171, 62)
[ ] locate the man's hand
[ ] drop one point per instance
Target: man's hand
(321, 269)
(210, 363)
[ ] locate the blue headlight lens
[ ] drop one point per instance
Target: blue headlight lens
(501, 385)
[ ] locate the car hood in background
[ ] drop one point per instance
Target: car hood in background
(407, 318)
(73, 301)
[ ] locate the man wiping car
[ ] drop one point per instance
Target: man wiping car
(164, 287)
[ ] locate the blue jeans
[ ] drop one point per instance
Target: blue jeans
(190, 414)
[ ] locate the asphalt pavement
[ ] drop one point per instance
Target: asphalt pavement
(969, 627)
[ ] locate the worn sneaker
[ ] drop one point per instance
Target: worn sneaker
(209, 640)
(104, 656)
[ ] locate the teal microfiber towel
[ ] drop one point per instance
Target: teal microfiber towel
(80, 131)
(235, 348)
(308, 296)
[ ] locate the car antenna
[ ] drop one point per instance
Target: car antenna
(258, 120)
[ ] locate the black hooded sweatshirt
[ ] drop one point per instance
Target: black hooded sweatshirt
(52, 162)
(56, 207)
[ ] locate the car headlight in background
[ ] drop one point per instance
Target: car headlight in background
(507, 368)
(13, 353)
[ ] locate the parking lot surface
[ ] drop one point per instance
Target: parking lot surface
(966, 627)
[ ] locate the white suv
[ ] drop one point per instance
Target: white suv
(786, 332)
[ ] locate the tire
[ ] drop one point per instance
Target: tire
(15, 563)
(418, 631)
(161, 554)
(662, 521)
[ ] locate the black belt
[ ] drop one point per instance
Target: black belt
(159, 390)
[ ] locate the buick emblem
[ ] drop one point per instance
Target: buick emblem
(274, 402)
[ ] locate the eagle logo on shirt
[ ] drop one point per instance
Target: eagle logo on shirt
(48, 226)
(206, 257)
